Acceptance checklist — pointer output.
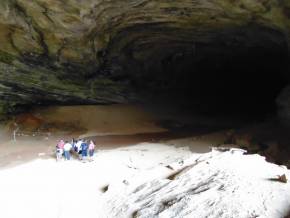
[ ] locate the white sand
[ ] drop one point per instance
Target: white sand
(45, 188)
(226, 184)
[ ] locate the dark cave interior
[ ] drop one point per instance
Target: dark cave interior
(236, 73)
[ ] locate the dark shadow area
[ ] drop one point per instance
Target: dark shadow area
(231, 73)
(243, 84)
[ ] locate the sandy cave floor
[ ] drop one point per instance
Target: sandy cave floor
(131, 152)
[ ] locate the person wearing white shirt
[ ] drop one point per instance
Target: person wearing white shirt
(79, 147)
(67, 147)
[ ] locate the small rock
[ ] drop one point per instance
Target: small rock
(125, 182)
(169, 167)
(105, 188)
(181, 162)
(282, 178)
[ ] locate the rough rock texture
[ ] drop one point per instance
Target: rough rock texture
(216, 184)
(94, 51)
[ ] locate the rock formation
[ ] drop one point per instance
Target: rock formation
(98, 52)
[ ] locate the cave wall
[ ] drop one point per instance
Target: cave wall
(94, 51)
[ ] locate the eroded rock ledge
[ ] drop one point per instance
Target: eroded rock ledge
(215, 184)
(94, 51)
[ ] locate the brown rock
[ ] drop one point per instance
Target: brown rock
(282, 178)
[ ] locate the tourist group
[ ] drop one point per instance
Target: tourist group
(81, 148)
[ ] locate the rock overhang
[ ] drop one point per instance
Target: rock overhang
(95, 51)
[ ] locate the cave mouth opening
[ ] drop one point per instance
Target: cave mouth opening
(238, 73)
(242, 84)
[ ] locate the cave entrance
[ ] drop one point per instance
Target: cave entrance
(241, 83)
(237, 73)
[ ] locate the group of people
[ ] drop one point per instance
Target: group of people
(82, 148)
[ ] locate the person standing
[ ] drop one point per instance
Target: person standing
(91, 148)
(60, 144)
(73, 143)
(59, 150)
(67, 148)
(78, 148)
(84, 147)
(58, 153)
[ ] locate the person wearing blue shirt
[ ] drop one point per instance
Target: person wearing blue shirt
(84, 147)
